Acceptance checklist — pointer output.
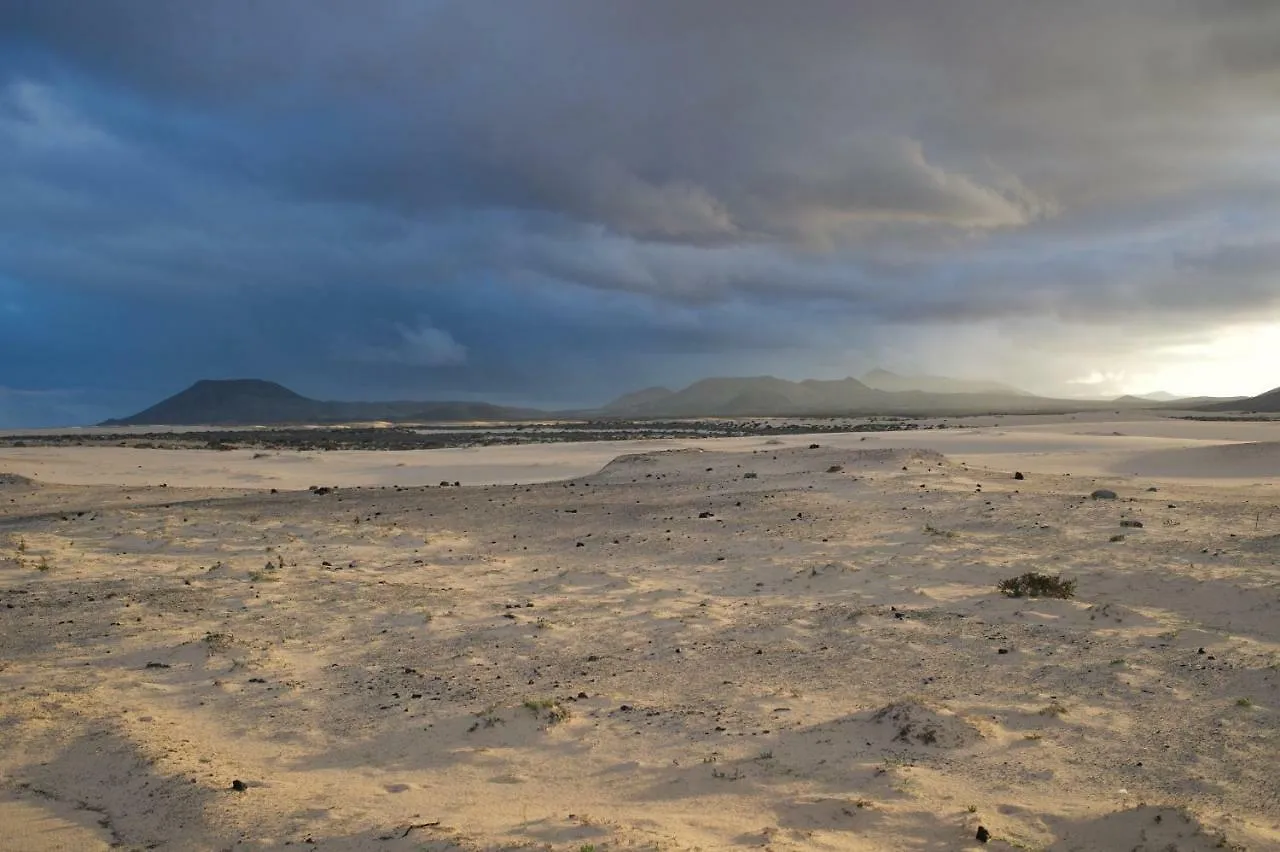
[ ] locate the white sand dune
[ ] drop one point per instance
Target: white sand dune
(768, 646)
(1259, 460)
(1059, 444)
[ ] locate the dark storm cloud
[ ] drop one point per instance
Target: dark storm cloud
(470, 196)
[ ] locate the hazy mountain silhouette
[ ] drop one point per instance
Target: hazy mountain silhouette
(211, 402)
(764, 396)
(257, 402)
(886, 380)
(1263, 403)
(637, 399)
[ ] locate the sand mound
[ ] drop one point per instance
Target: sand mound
(826, 575)
(911, 723)
(40, 824)
(703, 464)
(1140, 829)
(1256, 460)
(1261, 543)
(891, 455)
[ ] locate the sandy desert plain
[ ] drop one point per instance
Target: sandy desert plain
(732, 643)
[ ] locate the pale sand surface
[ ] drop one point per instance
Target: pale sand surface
(815, 665)
(1078, 444)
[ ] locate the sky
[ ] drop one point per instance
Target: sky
(556, 201)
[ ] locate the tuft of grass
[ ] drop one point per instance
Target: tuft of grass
(43, 564)
(22, 545)
(1053, 708)
(1116, 537)
(267, 574)
(548, 710)
(973, 809)
(835, 468)
(932, 530)
(1243, 702)
(751, 474)
(218, 641)
(1033, 584)
(486, 718)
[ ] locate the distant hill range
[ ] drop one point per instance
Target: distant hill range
(257, 402)
(240, 402)
(878, 392)
(1263, 403)
(886, 381)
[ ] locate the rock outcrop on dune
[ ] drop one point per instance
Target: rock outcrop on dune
(911, 723)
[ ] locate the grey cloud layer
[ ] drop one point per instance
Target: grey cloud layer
(780, 164)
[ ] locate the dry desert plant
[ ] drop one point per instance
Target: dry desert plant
(1033, 584)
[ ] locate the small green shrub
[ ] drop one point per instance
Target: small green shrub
(1033, 584)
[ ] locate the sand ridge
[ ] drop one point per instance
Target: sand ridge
(775, 647)
(1085, 444)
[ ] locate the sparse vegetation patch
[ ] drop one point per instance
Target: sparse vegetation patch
(1033, 584)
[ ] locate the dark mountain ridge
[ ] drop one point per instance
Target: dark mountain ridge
(1263, 403)
(885, 380)
(240, 402)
